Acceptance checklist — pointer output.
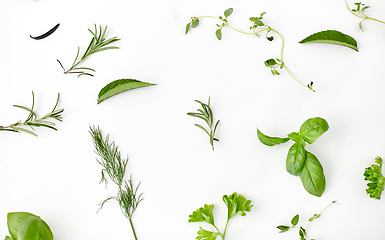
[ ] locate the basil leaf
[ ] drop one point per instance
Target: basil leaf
(295, 160)
(313, 128)
(14, 220)
(8, 238)
(29, 228)
(312, 176)
(270, 141)
(296, 137)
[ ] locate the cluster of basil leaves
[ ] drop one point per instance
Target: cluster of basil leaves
(27, 226)
(300, 162)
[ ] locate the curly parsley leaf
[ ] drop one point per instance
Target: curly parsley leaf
(377, 180)
(203, 214)
(206, 235)
(236, 205)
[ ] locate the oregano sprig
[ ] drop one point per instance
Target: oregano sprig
(115, 166)
(258, 27)
(302, 230)
(206, 114)
(98, 43)
(358, 11)
(33, 120)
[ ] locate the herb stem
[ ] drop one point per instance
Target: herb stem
(320, 213)
(133, 230)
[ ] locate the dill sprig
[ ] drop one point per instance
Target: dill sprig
(33, 121)
(98, 43)
(115, 166)
(206, 114)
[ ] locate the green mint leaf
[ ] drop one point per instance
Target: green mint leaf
(295, 220)
(313, 128)
(228, 12)
(203, 214)
(312, 176)
(206, 235)
(194, 22)
(119, 86)
(270, 141)
(295, 160)
(376, 178)
(332, 37)
(296, 137)
(236, 205)
(218, 33)
(283, 228)
(29, 228)
(188, 27)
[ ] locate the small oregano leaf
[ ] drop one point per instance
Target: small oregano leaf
(295, 220)
(332, 37)
(218, 33)
(119, 86)
(283, 228)
(228, 12)
(270, 141)
(195, 22)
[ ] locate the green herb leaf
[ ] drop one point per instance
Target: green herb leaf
(8, 238)
(236, 205)
(203, 214)
(270, 141)
(283, 228)
(206, 235)
(194, 22)
(228, 12)
(188, 27)
(312, 176)
(376, 178)
(313, 128)
(15, 219)
(296, 137)
(29, 228)
(295, 160)
(218, 33)
(295, 220)
(332, 37)
(315, 216)
(119, 86)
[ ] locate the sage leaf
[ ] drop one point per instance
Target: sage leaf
(295, 160)
(270, 141)
(332, 37)
(312, 176)
(119, 86)
(313, 128)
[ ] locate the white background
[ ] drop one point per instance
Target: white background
(57, 177)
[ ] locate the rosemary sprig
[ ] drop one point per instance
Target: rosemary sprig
(206, 114)
(98, 43)
(115, 167)
(33, 121)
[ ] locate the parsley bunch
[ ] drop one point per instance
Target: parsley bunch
(377, 180)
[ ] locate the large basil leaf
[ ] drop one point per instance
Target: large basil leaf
(14, 220)
(270, 141)
(29, 228)
(313, 128)
(295, 159)
(312, 176)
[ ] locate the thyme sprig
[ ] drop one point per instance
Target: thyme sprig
(98, 43)
(359, 12)
(206, 114)
(33, 121)
(257, 27)
(115, 167)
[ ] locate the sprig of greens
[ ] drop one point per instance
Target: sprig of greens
(26, 226)
(115, 167)
(376, 178)
(33, 121)
(302, 231)
(359, 12)
(258, 27)
(98, 43)
(236, 204)
(300, 162)
(206, 114)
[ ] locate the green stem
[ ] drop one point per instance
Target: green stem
(133, 230)
(224, 231)
(363, 15)
(320, 213)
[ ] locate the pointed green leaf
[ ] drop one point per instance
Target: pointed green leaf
(312, 176)
(270, 141)
(206, 235)
(283, 228)
(236, 205)
(119, 86)
(313, 128)
(332, 37)
(188, 27)
(203, 214)
(295, 159)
